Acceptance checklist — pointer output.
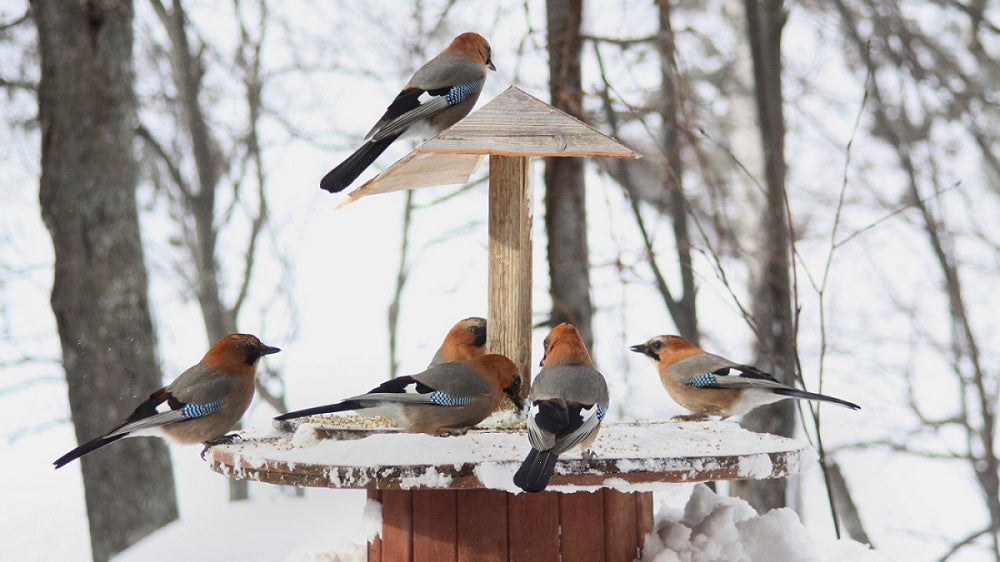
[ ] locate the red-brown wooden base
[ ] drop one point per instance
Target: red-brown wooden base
(484, 525)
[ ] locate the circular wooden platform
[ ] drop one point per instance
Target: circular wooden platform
(627, 457)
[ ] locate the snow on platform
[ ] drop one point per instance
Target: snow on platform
(637, 456)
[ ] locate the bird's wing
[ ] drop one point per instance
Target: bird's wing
(733, 376)
(591, 416)
(162, 408)
(434, 386)
(558, 425)
(415, 104)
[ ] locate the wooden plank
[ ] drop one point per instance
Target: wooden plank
(533, 526)
(397, 525)
(644, 503)
(621, 522)
(516, 123)
(509, 285)
(581, 516)
(375, 546)
(435, 525)
(482, 525)
(419, 169)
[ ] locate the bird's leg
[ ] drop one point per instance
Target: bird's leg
(224, 440)
(690, 417)
(451, 431)
(587, 455)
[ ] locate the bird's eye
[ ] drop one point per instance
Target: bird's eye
(476, 330)
(657, 345)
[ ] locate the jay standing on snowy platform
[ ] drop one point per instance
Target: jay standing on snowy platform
(201, 405)
(567, 402)
(439, 94)
(445, 399)
(466, 340)
(709, 385)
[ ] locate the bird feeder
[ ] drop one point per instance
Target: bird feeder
(452, 498)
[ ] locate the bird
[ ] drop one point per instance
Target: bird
(466, 340)
(567, 402)
(710, 385)
(440, 93)
(200, 405)
(445, 399)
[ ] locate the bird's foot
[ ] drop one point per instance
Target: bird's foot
(451, 431)
(587, 455)
(690, 417)
(224, 440)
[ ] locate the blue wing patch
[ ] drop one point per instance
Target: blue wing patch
(701, 381)
(458, 93)
(442, 399)
(199, 410)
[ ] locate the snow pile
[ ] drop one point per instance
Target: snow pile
(719, 528)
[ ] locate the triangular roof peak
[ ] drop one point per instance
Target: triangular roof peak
(514, 123)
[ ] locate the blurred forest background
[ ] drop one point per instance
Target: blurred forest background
(818, 194)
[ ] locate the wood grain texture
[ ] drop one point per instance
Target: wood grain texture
(533, 526)
(581, 522)
(482, 525)
(397, 526)
(509, 317)
(621, 524)
(375, 545)
(435, 525)
(516, 123)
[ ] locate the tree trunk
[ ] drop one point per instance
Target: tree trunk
(772, 308)
(565, 201)
(87, 198)
(682, 309)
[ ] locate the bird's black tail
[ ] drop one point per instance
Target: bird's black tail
(329, 408)
(796, 393)
(340, 177)
(87, 447)
(535, 471)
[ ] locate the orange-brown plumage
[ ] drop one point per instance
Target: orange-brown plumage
(710, 385)
(446, 398)
(234, 355)
(465, 341)
(564, 346)
(472, 45)
(568, 400)
(200, 405)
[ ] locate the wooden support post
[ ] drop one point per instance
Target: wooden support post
(509, 314)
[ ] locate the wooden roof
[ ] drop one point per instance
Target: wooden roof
(512, 124)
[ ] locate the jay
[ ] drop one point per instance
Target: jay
(466, 340)
(200, 405)
(710, 385)
(567, 403)
(440, 93)
(445, 399)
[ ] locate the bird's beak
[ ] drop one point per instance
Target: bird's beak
(644, 349)
(268, 350)
(512, 394)
(490, 66)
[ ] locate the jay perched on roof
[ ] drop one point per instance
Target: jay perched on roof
(439, 94)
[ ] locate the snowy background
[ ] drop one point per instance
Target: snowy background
(344, 265)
